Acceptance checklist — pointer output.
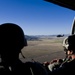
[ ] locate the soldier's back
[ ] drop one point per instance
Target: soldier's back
(29, 68)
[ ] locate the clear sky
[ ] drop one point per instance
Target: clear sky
(37, 17)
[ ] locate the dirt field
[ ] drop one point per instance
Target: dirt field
(43, 50)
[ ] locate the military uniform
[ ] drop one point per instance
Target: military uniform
(67, 68)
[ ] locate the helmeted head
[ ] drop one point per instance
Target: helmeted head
(12, 38)
(69, 43)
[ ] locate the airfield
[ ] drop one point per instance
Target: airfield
(45, 49)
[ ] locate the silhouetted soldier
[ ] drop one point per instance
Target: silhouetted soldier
(12, 40)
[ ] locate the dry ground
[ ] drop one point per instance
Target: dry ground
(43, 50)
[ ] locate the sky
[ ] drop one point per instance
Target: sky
(37, 17)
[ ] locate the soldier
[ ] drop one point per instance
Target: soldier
(68, 67)
(56, 63)
(12, 40)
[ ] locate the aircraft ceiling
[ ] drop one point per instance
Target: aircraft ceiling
(64, 3)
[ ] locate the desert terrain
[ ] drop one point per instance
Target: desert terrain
(43, 50)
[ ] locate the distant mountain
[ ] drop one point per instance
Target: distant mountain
(31, 37)
(39, 37)
(51, 36)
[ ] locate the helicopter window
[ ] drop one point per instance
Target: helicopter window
(45, 26)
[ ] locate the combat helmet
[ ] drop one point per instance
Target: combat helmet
(69, 43)
(11, 37)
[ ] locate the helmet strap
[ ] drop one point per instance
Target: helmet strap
(22, 55)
